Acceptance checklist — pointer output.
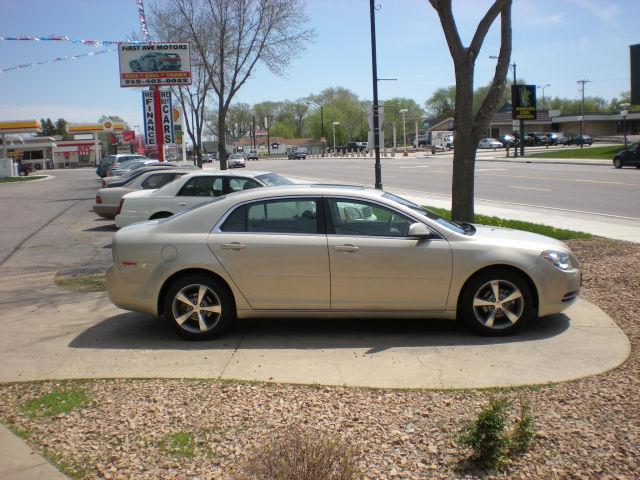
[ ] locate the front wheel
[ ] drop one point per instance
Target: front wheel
(617, 163)
(496, 302)
(198, 307)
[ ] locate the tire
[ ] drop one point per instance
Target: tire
(477, 306)
(617, 163)
(183, 301)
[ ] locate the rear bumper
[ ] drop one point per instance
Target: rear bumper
(105, 211)
(127, 289)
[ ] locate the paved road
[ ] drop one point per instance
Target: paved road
(595, 190)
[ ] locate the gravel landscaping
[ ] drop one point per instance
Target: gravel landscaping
(187, 429)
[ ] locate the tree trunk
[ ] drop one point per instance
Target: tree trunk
(466, 141)
(222, 146)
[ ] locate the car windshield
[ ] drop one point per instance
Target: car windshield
(458, 228)
(274, 180)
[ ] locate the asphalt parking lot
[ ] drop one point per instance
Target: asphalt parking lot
(49, 332)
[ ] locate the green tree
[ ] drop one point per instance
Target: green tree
(48, 128)
(574, 106)
(442, 103)
(281, 129)
(392, 115)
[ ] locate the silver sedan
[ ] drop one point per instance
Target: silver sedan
(319, 251)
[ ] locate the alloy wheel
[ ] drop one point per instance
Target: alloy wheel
(196, 308)
(498, 304)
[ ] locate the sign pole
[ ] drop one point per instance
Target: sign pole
(157, 113)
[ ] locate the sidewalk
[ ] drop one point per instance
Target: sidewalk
(19, 462)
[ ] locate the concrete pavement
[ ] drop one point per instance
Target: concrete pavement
(19, 462)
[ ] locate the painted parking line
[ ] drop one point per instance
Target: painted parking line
(418, 166)
(531, 188)
(491, 169)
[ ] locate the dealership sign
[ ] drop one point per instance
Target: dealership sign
(149, 64)
(523, 99)
(154, 126)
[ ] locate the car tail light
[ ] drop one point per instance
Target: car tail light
(98, 200)
(120, 205)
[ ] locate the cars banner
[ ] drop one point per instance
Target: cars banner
(149, 64)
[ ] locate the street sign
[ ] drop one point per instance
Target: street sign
(128, 136)
(523, 99)
(151, 125)
(151, 64)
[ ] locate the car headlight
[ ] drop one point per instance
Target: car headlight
(559, 260)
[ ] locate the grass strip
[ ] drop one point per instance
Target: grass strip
(20, 179)
(586, 153)
(83, 283)
(559, 233)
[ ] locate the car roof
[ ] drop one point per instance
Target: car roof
(311, 189)
(234, 173)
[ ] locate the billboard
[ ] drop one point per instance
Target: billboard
(152, 126)
(523, 99)
(148, 64)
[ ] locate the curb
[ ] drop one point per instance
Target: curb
(600, 163)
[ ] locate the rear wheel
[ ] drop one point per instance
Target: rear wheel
(617, 163)
(496, 302)
(198, 307)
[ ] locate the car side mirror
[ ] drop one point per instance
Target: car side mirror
(419, 230)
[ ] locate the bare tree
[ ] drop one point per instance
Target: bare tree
(469, 127)
(230, 37)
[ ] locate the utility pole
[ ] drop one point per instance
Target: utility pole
(253, 133)
(266, 124)
(374, 72)
(581, 83)
(322, 139)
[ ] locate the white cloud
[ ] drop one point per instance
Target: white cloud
(605, 11)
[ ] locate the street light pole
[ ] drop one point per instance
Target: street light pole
(374, 73)
(334, 136)
(322, 139)
(404, 130)
(624, 114)
(543, 88)
(515, 82)
(582, 83)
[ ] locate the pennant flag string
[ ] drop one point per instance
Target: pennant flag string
(58, 59)
(62, 38)
(143, 21)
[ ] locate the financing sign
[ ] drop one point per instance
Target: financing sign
(148, 64)
(154, 126)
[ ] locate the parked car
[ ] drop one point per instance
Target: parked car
(236, 160)
(106, 162)
(156, 62)
(118, 169)
(188, 191)
(489, 143)
(580, 140)
(109, 182)
(108, 199)
(630, 156)
(509, 141)
(253, 154)
(556, 139)
(278, 252)
(299, 153)
(536, 139)
(209, 157)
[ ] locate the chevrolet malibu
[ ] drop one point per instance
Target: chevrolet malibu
(297, 251)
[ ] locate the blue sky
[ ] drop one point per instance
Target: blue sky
(556, 42)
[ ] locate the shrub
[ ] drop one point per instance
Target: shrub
(300, 455)
(488, 435)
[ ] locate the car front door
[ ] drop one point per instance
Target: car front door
(376, 266)
(196, 190)
(276, 253)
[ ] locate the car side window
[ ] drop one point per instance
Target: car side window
(158, 180)
(274, 216)
(202, 187)
(355, 217)
(237, 184)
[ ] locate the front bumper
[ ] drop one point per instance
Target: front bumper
(557, 289)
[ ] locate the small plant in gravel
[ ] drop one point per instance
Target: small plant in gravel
(302, 455)
(489, 438)
(55, 403)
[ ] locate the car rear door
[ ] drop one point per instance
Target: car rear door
(196, 190)
(276, 252)
(376, 266)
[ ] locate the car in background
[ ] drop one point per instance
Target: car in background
(536, 139)
(108, 199)
(156, 62)
(118, 169)
(628, 157)
(490, 143)
(236, 160)
(109, 182)
(508, 141)
(580, 140)
(291, 251)
(106, 162)
(209, 157)
(299, 153)
(252, 154)
(188, 191)
(556, 139)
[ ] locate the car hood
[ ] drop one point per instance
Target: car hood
(516, 238)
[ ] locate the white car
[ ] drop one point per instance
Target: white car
(236, 160)
(490, 143)
(188, 191)
(108, 199)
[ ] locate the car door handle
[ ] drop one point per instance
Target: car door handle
(233, 246)
(183, 204)
(346, 248)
